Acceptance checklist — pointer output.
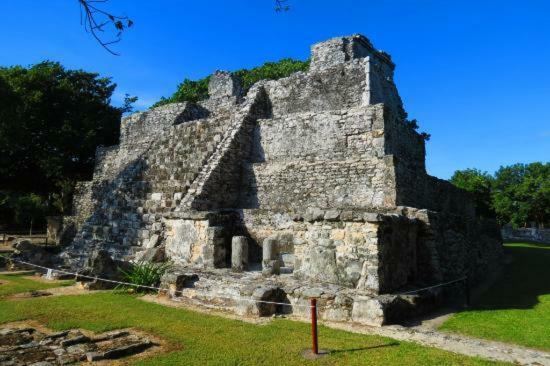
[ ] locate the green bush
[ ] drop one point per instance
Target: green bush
(20, 211)
(144, 274)
(194, 91)
(271, 71)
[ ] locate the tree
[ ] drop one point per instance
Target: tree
(97, 20)
(521, 193)
(51, 122)
(479, 184)
(195, 90)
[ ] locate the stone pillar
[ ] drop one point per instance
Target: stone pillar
(54, 228)
(239, 253)
(214, 252)
(269, 264)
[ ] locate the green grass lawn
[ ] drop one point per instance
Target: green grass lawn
(13, 284)
(517, 308)
(198, 339)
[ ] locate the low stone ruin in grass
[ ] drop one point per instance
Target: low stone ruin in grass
(21, 346)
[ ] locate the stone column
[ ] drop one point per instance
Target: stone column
(269, 264)
(239, 253)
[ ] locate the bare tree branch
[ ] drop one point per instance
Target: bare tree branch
(281, 5)
(95, 21)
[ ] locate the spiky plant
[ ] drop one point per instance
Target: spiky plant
(143, 273)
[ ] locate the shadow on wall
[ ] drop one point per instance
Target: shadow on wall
(249, 191)
(114, 202)
(523, 280)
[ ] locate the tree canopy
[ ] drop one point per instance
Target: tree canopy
(51, 121)
(517, 194)
(195, 90)
(521, 193)
(479, 184)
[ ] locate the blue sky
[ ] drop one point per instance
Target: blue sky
(475, 74)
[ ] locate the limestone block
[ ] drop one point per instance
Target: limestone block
(153, 241)
(156, 255)
(322, 264)
(239, 253)
(368, 311)
(332, 215)
(314, 214)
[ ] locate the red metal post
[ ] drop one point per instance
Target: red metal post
(315, 348)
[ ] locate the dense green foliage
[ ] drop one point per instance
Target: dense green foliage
(479, 184)
(144, 274)
(517, 194)
(51, 121)
(201, 339)
(516, 308)
(521, 193)
(22, 210)
(193, 91)
(188, 91)
(271, 71)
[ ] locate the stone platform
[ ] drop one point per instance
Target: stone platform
(253, 294)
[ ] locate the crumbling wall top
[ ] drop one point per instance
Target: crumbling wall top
(224, 84)
(341, 49)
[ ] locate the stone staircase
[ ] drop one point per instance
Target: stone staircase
(128, 217)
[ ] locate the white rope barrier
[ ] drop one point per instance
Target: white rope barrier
(159, 289)
(434, 286)
(95, 278)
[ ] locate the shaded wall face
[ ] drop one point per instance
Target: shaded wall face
(451, 246)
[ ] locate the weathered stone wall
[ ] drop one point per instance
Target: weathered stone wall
(374, 253)
(202, 240)
(529, 234)
(325, 159)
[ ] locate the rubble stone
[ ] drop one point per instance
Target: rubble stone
(31, 347)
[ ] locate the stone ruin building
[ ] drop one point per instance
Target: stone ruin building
(313, 185)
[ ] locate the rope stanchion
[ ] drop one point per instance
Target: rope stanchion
(314, 338)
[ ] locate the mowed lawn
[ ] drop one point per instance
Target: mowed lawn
(13, 284)
(517, 308)
(198, 339)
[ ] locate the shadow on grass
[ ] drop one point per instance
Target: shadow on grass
(523, 280)
(391, 344)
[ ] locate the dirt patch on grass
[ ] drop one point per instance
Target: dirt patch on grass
(190, 305)
(54, 291)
